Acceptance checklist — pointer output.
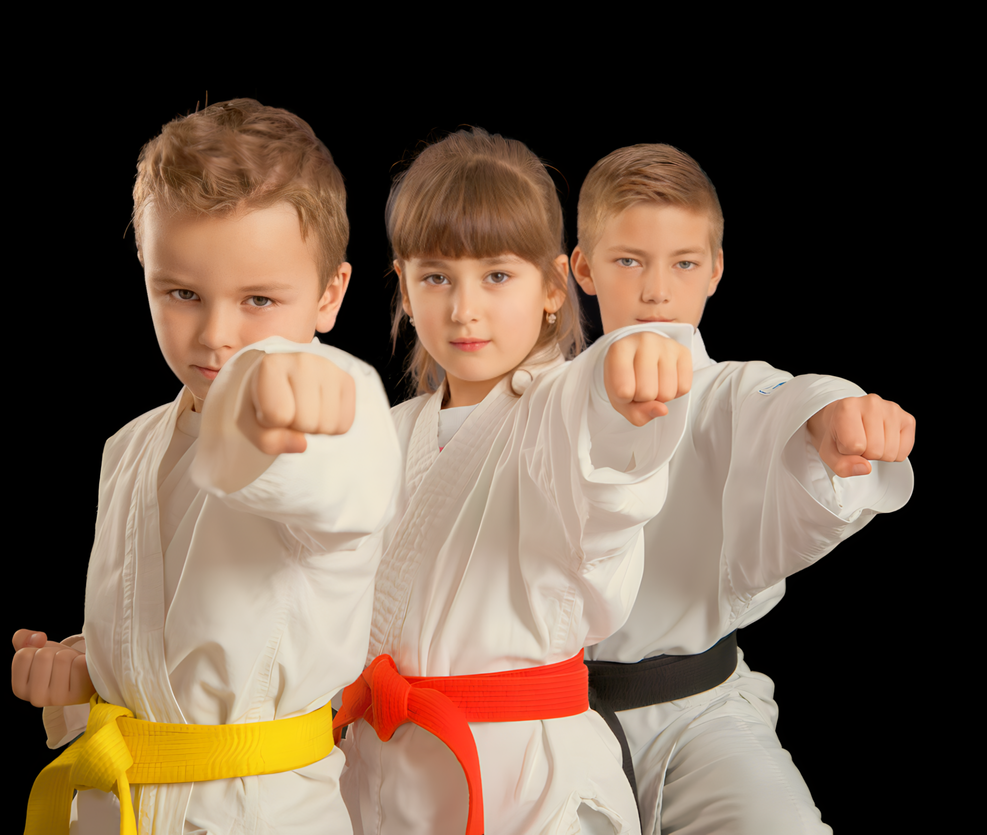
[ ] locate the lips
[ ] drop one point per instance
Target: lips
(469, 344)
(208, 373)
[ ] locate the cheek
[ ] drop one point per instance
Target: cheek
(525, 327)
(427, 326)
(614, 304)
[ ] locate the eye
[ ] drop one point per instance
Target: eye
(435, 280)
(628, 262)
(686, 265)
(498, 278)
(260, 301)
(183, 295)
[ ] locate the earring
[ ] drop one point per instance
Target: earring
(550, 318)
(412, 320)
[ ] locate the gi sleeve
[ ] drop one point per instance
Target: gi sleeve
(782, 508)
(340, 489)
(606, 476)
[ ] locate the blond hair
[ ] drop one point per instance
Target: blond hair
(239, 155)
(477, 195)
(645, 174)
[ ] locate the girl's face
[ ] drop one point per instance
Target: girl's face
(478, 318)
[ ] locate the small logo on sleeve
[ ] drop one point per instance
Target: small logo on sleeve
(771, 390)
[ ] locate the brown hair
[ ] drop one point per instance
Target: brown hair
(241, 154)
(477, 195)
(645, 174)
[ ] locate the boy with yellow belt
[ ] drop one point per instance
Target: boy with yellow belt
(231, 577)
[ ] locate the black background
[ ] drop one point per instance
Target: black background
(816, 175)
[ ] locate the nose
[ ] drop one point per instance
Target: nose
(216, 326)
(464, 303)
(655, 288)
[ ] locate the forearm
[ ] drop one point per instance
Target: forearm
(340, 481)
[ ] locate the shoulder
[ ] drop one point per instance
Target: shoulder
(124, 449)
(139, 426)
(407, 412)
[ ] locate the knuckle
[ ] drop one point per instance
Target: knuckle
(273, 412)
(625, 390)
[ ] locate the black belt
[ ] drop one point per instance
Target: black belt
(614, 686)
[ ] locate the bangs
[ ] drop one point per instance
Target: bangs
(482, 210)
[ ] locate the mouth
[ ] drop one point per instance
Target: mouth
(208, 373)
(653, 320)
(469, 344)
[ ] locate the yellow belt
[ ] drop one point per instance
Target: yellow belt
(117, 750)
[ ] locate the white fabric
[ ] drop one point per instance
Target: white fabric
(515, 547)
(449, 422)
(271, 615)
(749, 504)
(179, 500)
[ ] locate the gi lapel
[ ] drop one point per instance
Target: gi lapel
(437, 483)
(148, 691)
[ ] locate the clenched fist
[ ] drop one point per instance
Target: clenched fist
(644, 371)
(290, 395)
(46, 673)
(851, 432)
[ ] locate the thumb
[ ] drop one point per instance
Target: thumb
(29, 638)
(845, 466)
(280, 441)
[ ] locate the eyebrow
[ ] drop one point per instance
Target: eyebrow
(440, 263)
(261, 289)
(641, 253)
(167, 280)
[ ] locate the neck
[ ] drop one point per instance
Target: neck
(467, 392)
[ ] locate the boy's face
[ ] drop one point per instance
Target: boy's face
(218, 284)
(653, 263)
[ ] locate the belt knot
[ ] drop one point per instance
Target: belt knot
(389, 693)
(104, 758)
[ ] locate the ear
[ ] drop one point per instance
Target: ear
(555, 297)
(405, 301)
(582, 273)
(332, 298)
(717, 274)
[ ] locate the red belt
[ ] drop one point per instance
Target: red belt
(445, 705)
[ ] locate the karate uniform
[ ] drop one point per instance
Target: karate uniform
(749, 503)
(515, 547)
(270, 589)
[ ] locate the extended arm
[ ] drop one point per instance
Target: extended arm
(278, 398)
(782, 510)
(596, 449)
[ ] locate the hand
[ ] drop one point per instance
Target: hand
(291, 394)
(849, 432)
(644, 371)
(45, 673)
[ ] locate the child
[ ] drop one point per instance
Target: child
(231, 576)
(519, 543)
(752, 499)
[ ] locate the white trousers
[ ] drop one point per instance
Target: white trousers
(712, 763)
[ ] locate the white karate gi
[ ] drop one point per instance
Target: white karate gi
(271, 615)
(749, 504)
(515, 547)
